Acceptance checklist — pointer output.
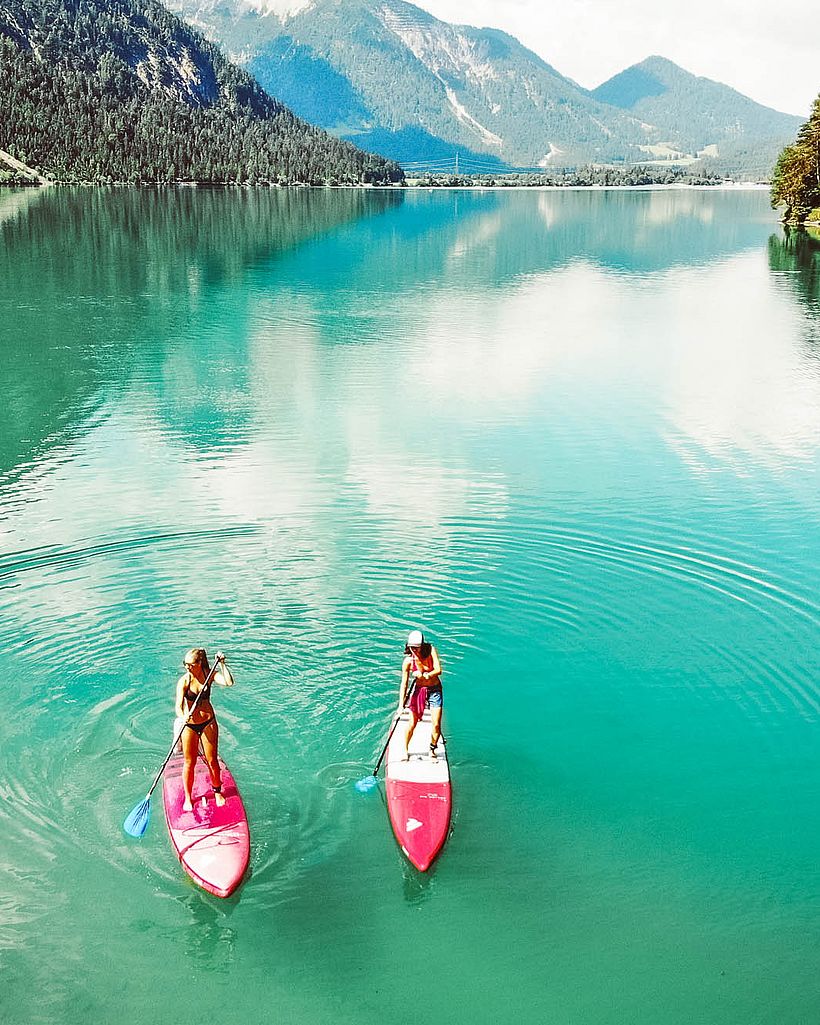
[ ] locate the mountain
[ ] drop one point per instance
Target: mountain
(124, 91)
(390, 75)
(698, 115)
(394, 78)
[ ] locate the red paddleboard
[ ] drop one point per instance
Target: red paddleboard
(418, 793)
(212, 844)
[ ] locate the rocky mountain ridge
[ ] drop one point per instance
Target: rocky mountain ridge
(396, 79)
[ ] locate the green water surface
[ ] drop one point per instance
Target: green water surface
(575, 435)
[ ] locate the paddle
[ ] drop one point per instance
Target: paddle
(137, 821)
(367, 783)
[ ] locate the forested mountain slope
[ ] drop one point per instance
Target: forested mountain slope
(124, 91)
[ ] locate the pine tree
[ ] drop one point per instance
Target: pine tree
(796, 178)
(809, 137)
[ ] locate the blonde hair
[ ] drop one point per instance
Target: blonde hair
(197, 656)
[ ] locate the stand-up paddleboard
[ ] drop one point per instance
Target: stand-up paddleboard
(418, 792)
(213, 844)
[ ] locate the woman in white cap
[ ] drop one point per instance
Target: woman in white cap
(422, 662)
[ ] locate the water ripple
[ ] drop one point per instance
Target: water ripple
(60, 557)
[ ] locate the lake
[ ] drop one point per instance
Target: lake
(575, 436)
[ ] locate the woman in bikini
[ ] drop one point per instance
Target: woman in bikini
(200, 724)
(421, 661)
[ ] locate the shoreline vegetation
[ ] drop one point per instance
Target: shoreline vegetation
(15, 173)
(18, 182)
(588, 176)
(796, 177)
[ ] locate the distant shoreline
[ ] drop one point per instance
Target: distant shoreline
(232, 186)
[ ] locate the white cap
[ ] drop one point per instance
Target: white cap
(415, 639)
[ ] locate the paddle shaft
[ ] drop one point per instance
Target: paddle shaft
(407, 697)
(191, 711)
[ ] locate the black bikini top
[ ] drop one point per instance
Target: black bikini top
(191, 697)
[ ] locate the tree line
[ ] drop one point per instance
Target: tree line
(572, 177)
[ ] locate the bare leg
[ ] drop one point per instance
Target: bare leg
(210, 743)
(410, 729)
(190, 749)
(435, 721)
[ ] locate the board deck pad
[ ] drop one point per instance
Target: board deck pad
(212, 843)
(418, 792)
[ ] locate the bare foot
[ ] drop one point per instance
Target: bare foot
(220, 800)
(187, 805)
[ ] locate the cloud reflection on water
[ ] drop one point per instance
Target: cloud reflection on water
(251, 405)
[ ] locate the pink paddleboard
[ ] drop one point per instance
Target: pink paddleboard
(212, 844)
(418, 793)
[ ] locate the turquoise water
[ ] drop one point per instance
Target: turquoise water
(576, 436)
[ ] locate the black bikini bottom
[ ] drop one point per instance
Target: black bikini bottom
(199, 727)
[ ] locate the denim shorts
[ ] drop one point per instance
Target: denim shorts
(434, 698)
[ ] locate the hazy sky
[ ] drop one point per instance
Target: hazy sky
(768, 50)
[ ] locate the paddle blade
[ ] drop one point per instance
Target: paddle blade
(364, 786)
(137, 822)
